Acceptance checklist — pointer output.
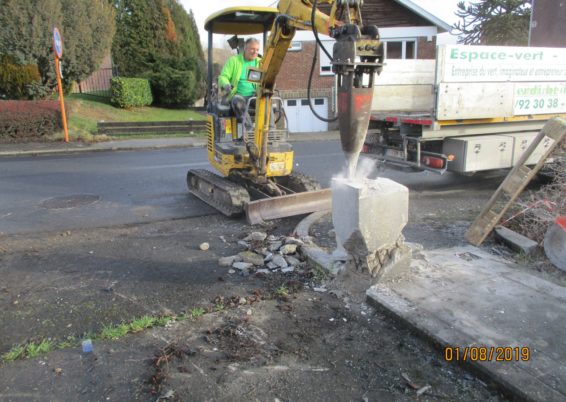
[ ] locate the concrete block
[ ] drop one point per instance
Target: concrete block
(368, 215)
(516, 241)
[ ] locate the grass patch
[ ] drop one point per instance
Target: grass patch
(197, 312)
(114, 332)
(28, 351)
(84, 111)
(282, 291)
(142, 323)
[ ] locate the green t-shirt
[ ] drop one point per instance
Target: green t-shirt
(246, 88)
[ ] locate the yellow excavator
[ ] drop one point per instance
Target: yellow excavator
(255, 161)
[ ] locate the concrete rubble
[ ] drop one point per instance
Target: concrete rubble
(265, 254)
(368, 217)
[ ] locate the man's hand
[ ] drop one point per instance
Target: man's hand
(227, 88)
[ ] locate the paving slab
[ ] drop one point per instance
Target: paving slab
(467, 298)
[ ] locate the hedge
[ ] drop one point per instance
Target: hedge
(18, 81)
(28, 120)
(130, 92)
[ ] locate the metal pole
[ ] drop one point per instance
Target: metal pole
(61, 100)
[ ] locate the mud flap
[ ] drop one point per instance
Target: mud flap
(288, 205)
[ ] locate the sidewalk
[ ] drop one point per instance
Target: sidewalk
(482, 312)
(133, 144)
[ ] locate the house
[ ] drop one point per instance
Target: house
(407, 30)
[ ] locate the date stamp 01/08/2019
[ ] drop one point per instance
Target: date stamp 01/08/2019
(487, 353)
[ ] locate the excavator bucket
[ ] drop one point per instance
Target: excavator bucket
(288, 205)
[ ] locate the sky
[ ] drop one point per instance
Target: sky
(443, 9)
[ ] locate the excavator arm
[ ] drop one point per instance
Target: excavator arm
(357, 58)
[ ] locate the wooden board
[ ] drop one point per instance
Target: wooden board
(515, 182)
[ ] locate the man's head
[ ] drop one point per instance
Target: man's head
(251, 50)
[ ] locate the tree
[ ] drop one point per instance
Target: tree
(30, 43)
(158, 39)
(86, 26)
(88, 29)
(494, 22)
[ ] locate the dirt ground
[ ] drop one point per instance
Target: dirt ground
(263, 344)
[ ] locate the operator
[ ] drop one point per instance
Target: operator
(233, 78)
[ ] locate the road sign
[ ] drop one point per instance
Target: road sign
(57, 43)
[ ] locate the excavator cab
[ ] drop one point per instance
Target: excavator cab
(231, 142)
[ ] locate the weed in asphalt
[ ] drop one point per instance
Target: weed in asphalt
(114, 331)
(197, 312)
(142, 323)
(17, 352)
(35, 349)
(219, 307)
(282, 291)
(29, 350)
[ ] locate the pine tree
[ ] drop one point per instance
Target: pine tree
(494, 22)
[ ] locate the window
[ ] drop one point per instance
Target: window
(296, 46)
(325, 63)
(292, 102)
(319, 101)
(400, 49)
(304, 102)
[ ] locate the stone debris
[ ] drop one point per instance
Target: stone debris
(204, 246)
(320, 290)
(294, 240)
(252, 258)
(266, 254)
(228, 261)
(256, 236)
(243, 244)
(288, 249)
(242, 265)
(292, 261)
(280, 261)
(271, 265)
(275, 246)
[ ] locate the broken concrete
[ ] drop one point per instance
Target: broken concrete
(368, 217)
(516, 241)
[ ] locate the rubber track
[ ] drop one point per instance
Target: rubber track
(233, 197)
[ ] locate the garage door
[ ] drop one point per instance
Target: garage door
(300, 117)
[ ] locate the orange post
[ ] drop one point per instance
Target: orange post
(61, 100)
(58, 51)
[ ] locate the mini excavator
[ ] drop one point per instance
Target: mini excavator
(255, 161)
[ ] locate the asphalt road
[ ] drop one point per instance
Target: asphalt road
(87, 190)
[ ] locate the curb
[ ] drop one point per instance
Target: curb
(59, 151)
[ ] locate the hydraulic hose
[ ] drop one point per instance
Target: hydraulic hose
(314, 60)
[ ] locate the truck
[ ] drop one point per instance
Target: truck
(473, 108)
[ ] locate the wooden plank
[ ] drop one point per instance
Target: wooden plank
(515, 182)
